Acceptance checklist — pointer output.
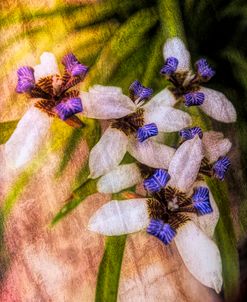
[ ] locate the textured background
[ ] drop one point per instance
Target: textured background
(121, 41)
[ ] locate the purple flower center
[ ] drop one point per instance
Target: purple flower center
(201, 201)
(52, 92)
(140, 92)
(157, 181)
(147, 131)
(170, 66)
(69, 108)
(221, 166)
(190, 133)
(194, 99)
(163, 231)
(26, 81)
(204, 70)
(73, 66)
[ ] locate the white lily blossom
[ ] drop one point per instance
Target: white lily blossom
(33, 127)
(134, 121)
(125, 176)
(167, 213)
(187, 86)
(50, 96)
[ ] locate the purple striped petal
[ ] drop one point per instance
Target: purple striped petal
(69, 108)
(190, 133)
(163, 231)
(204, 70)
(147, 131)
(26, 80)
(201, 201)
(139, 91)
(194, 99)
(157, 181)
(73, 66)
(221, 166)
(170, 66)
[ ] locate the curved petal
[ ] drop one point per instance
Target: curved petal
(215, 145)
(207, 223)
(104, 102)
(175, 47)
(108, 152)
(185, 164)
(200, 255)
(120, 217)
(105, 89)
(48, 66)
(120, 178)
(166, 118)
(218, 106)
(27, 138)
(164, 98)
(151, 153)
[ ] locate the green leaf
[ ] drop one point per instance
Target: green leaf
(226, 239)
(78, 196)
(109, 269)
(127, 39)
(4, 257)
(22, 181)
(6, 130)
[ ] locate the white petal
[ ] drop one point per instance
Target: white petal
(120, 178)
(175, 47)
(120, 217)
(166, 118)
(108, 152)
(200, 255)
(215, 145)
(165, 98)
(185, 164)
(218, 106)
(207, 223)
(104, 102)
(105, 89)
(27, 138)
(151, 153)
(48, 66)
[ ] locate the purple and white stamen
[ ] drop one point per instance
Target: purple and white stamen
(68, 108)
(26, 80)
(190, 133)
(139, 91)
(204, 71)
(157, 181)
(220, 167)
(194, 99)
(163, 231)
(170, 66)
(73, 66)
(201, 201)
(146, 131)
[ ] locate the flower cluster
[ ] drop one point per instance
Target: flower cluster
(177, 205)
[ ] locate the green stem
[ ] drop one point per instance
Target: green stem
(109, 269)
(171, 19)
(172, 26)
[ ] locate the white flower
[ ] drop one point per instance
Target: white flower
(51, 97)
(187, 86)
(124, 176)
(167, 214)
(33, 127)
(132, 119)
